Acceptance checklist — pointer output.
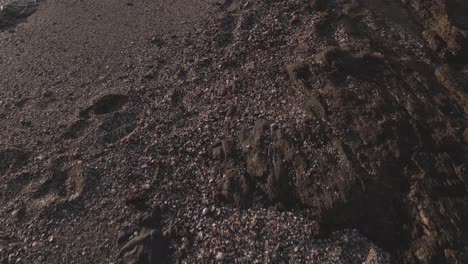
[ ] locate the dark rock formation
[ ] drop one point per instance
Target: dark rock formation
(445, 26)
(149, 246)
(14, 11)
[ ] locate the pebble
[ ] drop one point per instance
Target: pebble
(51, 238)
(15, 213)
(205, 211)
(294, 19)
(220, 256)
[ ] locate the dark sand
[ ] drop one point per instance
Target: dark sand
(234, 131)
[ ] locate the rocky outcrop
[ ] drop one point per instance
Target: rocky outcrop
(387, 156)
(149, 246)
(445, 26)
(14, 11)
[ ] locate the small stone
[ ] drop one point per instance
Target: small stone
(205, 211)
(122, 237)
(15, 213)
(34, 244)
(294, 19)
(220, 256)
(51, 238)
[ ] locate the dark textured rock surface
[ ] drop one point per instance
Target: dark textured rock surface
(149, 246)
(446, 28)
(14, 11)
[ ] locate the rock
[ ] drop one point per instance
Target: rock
(253, 148)
(236, 187)
(147, 248)
(220, 256)
(122, 237)
(13, 11)
(15, 213)
(454, 81)
(17, 8)
(222, 150)
(445, 23)
(294, 20)
(462, 172)
(151, 219)
(205, 211)
(270, 161)
(300, 75)
(433, 40)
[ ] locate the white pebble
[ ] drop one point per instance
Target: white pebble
(220, 256)
(15, 213)
(205, 211)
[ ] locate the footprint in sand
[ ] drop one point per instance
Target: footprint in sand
(12, 159)
(105, 105)
(102, 106)
(17, 184)
(76, 129)
(65, 183)
(117, 127)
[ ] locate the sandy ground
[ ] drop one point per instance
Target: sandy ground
(234, 131)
